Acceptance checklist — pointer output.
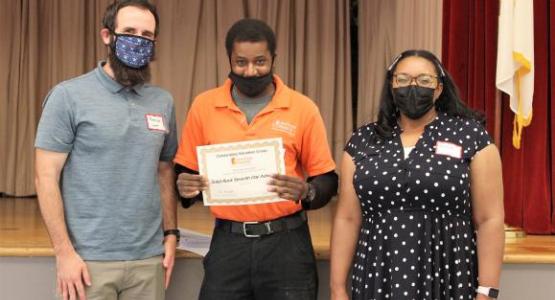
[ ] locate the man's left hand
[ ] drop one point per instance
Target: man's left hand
(288, 187)
(170, 243)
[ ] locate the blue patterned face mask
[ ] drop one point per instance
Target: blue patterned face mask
(132, 50)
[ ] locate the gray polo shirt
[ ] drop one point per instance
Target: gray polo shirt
(115, 138)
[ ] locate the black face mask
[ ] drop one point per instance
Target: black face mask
(251, 86)
(414, 101)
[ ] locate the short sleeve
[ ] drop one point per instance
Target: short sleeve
(56, 129)
(191, 136)
(316, 156)
(479, 135)
(357, 144)
(170, 142)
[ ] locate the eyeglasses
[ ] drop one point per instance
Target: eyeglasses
(422, 80)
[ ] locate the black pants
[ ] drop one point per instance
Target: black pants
(278, 266)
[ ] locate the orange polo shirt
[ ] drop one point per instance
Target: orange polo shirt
(214, 118)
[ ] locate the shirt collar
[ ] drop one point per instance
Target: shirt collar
(281, 98)
(430, 126)
(112, 85)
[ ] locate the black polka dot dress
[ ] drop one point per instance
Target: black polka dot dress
(417, 238)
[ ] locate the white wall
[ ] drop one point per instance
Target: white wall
(32, 278)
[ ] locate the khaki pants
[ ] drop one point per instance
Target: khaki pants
(126, 280)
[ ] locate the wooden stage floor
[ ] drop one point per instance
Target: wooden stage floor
(22, 233)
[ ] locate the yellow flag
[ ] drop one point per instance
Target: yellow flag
(515, 60)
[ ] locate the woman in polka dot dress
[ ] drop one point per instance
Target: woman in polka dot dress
(420, 214)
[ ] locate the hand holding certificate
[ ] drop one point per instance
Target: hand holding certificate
(238, 173)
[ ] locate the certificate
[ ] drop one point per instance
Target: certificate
(238, 173)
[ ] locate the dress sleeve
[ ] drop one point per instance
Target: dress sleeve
(480, 137)
(359, 141)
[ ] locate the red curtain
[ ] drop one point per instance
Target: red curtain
(469, 45)
(470, 53)
(552, 115)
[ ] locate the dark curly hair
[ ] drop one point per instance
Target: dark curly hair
(448, 102)
(250, 30)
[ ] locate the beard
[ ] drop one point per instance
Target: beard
(125, 75)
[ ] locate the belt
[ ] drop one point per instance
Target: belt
(258, 229)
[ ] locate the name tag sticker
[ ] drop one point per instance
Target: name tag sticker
(448, 149)
(155, 122)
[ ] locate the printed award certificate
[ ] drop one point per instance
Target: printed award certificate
(238, 172)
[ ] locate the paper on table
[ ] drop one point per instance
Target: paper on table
(193, 241)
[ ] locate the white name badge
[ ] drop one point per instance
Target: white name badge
(448, 149)
(155, 122)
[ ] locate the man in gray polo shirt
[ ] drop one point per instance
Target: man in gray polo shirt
(104, 176)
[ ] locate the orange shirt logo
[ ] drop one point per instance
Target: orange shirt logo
(284, 127)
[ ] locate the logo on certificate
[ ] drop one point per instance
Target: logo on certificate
(241, 160)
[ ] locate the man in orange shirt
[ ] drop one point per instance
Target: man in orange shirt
(260, 251)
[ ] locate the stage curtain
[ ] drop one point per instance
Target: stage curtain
(552, 111)
(48, 41)
(385, 29)
(43, 42)
(470, 53)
